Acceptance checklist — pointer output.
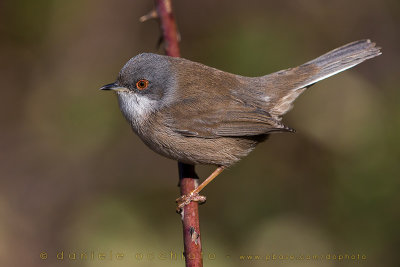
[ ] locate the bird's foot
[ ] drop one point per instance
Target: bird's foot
(186, 199)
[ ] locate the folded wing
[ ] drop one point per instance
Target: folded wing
(232, 120)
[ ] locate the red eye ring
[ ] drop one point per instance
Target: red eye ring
(142, 84)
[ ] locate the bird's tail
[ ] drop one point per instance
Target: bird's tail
(327, 65)
(341, 59)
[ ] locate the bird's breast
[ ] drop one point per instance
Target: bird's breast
(135, 108)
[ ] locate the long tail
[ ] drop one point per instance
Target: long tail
(342, 58)
(305, 75)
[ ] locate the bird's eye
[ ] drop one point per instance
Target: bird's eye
(142, 84)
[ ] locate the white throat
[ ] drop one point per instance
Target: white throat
(135, 107)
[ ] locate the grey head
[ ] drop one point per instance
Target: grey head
(144, 85)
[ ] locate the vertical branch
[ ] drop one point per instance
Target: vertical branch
(168, 27)
(188, 179)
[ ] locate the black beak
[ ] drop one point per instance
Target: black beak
(110, 86)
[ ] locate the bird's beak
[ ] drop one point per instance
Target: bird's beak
(113, 86)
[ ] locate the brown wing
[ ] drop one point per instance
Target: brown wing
(220, 118)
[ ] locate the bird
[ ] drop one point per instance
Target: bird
(197, 114)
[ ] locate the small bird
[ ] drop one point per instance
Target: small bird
(197, 114)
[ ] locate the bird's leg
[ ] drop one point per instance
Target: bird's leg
(194, 195)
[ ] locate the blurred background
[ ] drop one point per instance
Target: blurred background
(75, 179)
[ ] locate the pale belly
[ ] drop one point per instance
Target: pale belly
(222, 151)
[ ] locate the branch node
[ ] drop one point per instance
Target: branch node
(151, 15)
(194, 235)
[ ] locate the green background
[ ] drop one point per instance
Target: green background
(74, 177)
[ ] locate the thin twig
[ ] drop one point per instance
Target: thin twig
(168, 27)
(188, 179)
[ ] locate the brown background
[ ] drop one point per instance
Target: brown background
(74, 178)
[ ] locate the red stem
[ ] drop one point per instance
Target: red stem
(188, 179)
(168, 27)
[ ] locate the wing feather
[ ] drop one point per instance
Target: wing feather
(212, 122)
